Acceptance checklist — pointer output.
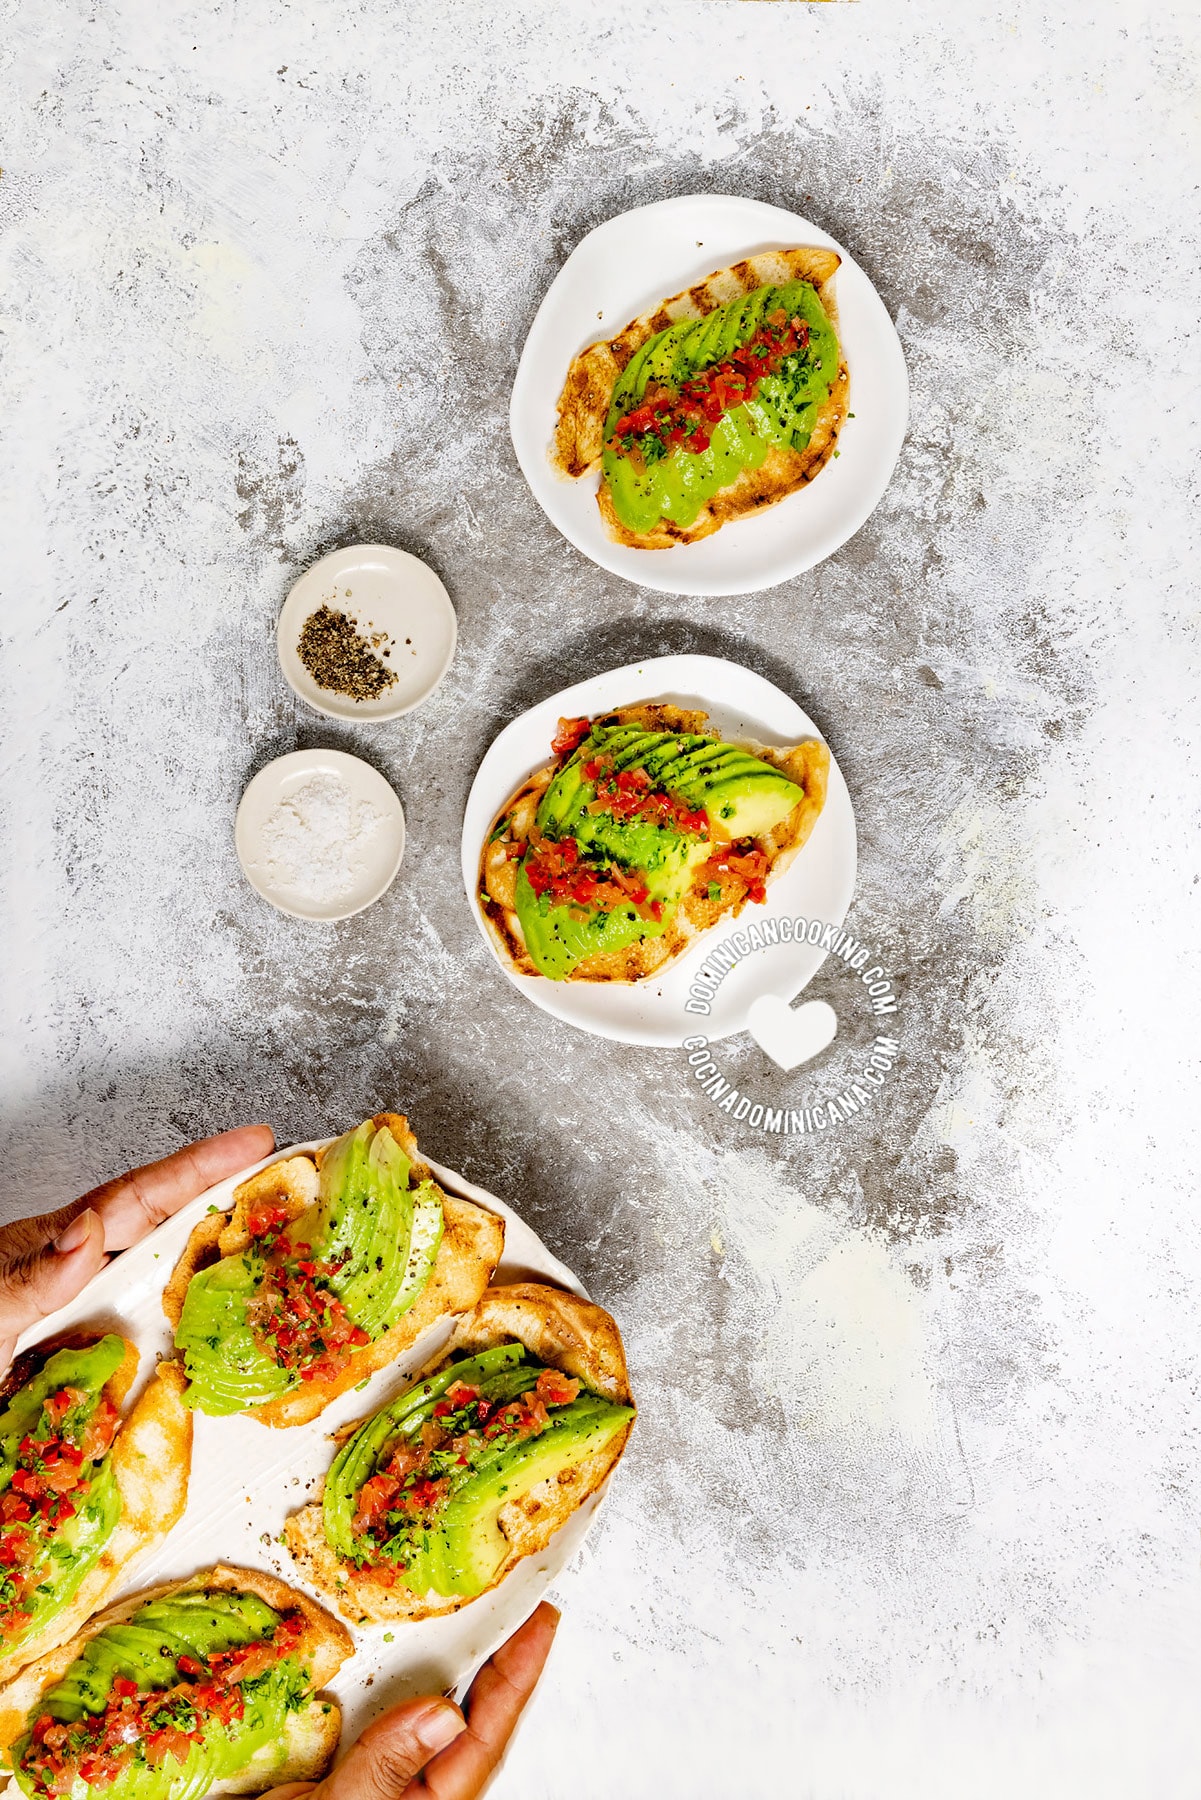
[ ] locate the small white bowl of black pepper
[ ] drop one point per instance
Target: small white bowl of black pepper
(366, 633)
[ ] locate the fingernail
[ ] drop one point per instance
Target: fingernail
(439, 1727)
(76, 1233)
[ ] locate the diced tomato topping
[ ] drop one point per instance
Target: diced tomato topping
(296, 1316)
(375, 1498)
(744, 860)
(668, 417)
(265, 1219)
(570, 735)
(557, 869)
(556, 1388)
(164, 1723)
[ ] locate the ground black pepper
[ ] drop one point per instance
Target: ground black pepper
(340, 658)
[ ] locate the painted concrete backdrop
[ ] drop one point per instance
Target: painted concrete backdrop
(913, 1506)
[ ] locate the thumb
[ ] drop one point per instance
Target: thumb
(38, 1283)
(393, 1750)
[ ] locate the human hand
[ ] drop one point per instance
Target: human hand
(427, 1746)
(47, 1261)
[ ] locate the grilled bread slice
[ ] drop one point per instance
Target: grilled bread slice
(307, 1746)
(150, 1460)
(587, 394)
(807, 764)
(560, 1331)
(471, 1246)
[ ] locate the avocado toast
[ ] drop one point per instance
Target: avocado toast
(203, 1686)
(711, 406)
(644, 832)
(83, 1492)
(328, 1268)
(435, 1498)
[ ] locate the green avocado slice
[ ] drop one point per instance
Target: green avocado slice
(697, 765)
(425, 1236)
(77, 1544)
(475, 1546)
(384, 1231)
(783, 413)
(362, 1454)
(199, 1623)
(88, 1369)
(455, 1551)
(558, 938)
(753, 805)
(145, 1650)
(226, 1369)
(370, 1216)
(661, 764)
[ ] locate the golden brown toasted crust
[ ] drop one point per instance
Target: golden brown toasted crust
(588, 392)
(807, 764)
(151, 1460)
(562, 1331)
(471, 1247)
(312, 1736)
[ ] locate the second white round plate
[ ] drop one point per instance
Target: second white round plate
(819, 885)
(631, 263)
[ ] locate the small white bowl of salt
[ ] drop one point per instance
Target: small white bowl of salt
(319, 834)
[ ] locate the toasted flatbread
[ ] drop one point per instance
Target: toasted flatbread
(308, 1745)
(151, 1459)
(807, 764)
(562, 1331)
(588, 392)
(471, 1247)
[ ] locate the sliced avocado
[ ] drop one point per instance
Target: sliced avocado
(668, 360)
(697, 764)
(635, 754)
(660, 765)
(425, 1236)
(753, 806)
(611, 739)
(87, 1368)
(475, 1546)
(362, 1454)
(702, 344)
(226, 1369)
(561, 799)
(144, 1650)
(372, 1224)
(782, 414)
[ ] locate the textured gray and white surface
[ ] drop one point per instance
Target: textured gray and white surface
(913, 1506)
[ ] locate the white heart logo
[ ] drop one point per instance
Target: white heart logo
(791, 1038)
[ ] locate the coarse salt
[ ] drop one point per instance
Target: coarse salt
(315, 841)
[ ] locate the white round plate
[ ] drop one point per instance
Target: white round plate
(376, 859)
(382, 590)
(819, 885)
(628, 265)
(246, 1479)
